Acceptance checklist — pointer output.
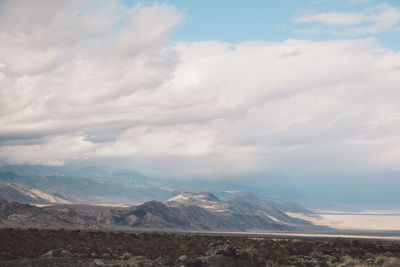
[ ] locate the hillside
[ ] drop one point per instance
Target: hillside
(14, 214)
(100, 185)
(150, 215)
(89, 185)
(246, 209)
(18, 193)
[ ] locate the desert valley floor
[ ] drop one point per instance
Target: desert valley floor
(33, 247)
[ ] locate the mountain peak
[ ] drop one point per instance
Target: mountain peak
(187, 197)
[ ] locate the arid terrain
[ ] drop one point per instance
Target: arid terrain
(208, 215)
(374, 221)
(33, 247)
(45, 221)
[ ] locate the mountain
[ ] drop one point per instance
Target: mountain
(14, 214)
(150, 215)
(12, 192)
(195, 198)
(87, 184)
(207, 201)
(156, 215)
(104, 185)
(289, 206)
(263, 208)
(246, 211)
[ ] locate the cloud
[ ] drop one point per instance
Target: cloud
(334, 18)
(123, 90)
(52, 84)
(356, 2)
(379, 19)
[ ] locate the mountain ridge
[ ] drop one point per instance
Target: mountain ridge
(150, 215)
(162, 206)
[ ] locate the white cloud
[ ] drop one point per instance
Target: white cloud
(122, 91)
(379, 19)
(334, 18)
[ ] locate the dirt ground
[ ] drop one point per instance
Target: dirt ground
(33, 247)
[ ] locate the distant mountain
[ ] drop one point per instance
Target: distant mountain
(245, 210)
(263, 208)
(150, 215)
(156, 215)
(108, 185)
(12, 192)
(186, 211)
(87, 184)
(207, 201)
(13, 214)
(289, 206)
(105, 185)
(195, 198)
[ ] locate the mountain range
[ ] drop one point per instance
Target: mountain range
(82, 198)
(211, 215)
(86, 184)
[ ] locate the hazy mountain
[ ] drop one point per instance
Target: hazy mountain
(290, 207)
(207, 201)
(150, 215)
(238, 208)
(87, 184)
(104, 185)
(263, 208)
(12, 192)
(108, 185)
(188, 210)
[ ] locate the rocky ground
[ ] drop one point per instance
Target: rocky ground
(32, 247)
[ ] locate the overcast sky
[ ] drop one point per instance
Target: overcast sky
(195, 87)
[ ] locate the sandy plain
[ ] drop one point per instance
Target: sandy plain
(365, 220)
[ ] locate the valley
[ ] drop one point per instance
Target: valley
(108, 198)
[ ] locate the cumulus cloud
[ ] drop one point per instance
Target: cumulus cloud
(379, 19)
(121, 89)
(63, 75)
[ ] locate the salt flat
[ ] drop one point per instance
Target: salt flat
(371, 220)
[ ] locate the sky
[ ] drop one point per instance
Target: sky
(203, 88)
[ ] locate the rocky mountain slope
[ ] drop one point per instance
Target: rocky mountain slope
(235, 209)
(188, 211)
(207, 201)
(105, 184)
(111, 185)
(150, 215)
(18, 193)
(84, 184)
(158, 215)
(14, 214)
(263, 208)
(98, 185)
